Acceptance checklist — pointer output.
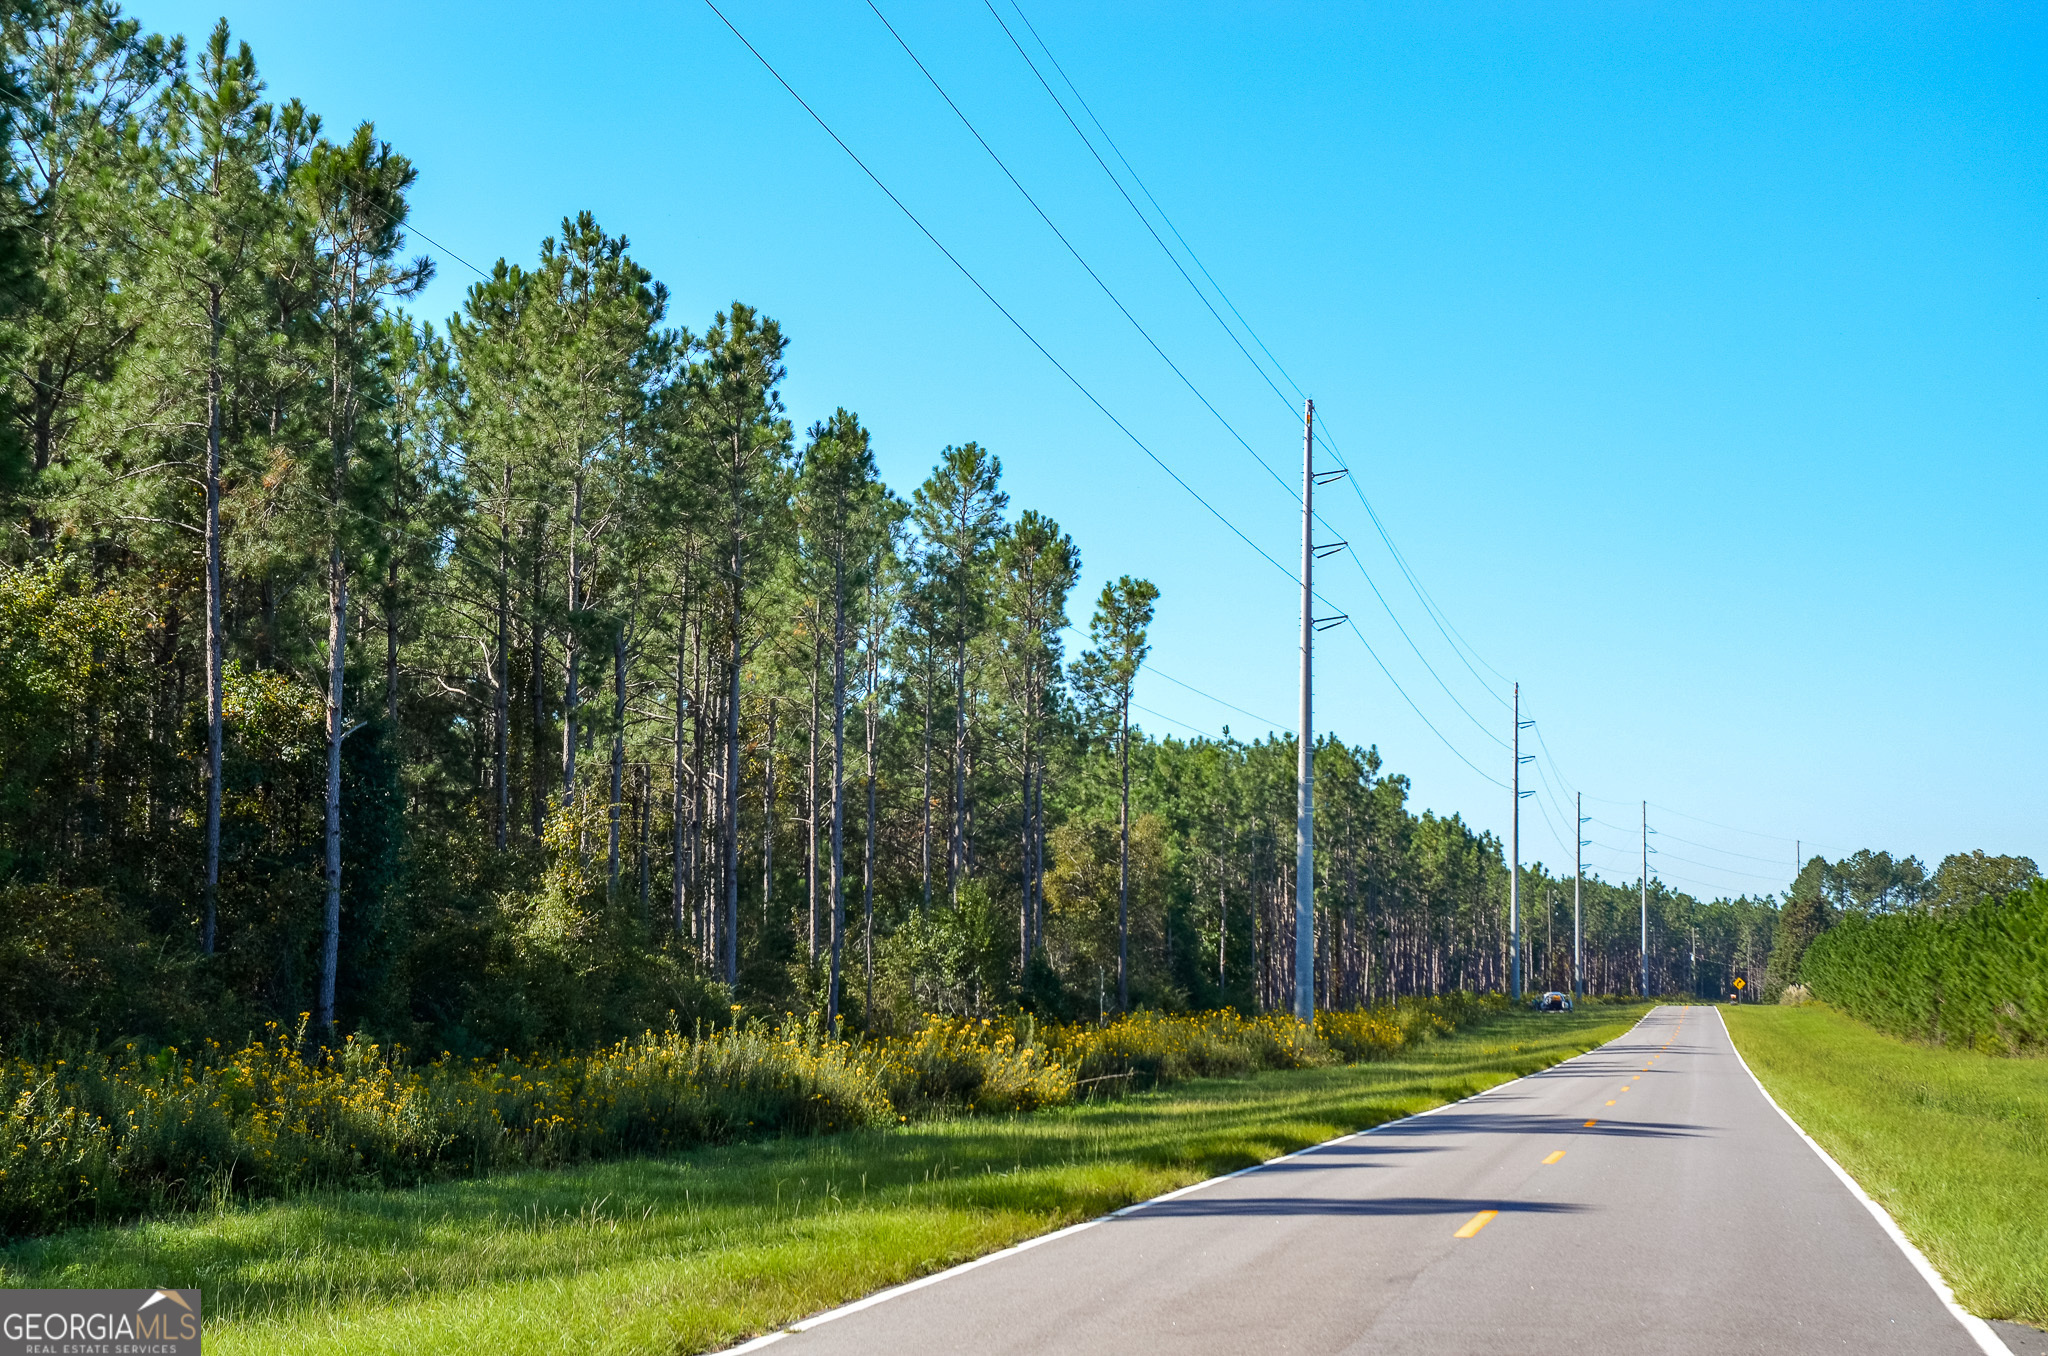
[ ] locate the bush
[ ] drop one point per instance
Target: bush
(1975, 977)
(135, 1130)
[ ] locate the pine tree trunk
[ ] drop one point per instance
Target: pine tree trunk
(537, 636)
(811, 793)
(501, 667)
(867, 860)
(925, 796)
(569, 655)
(768, 817)
(215, 643)
(956, 844)
(337, 641)
(678, 808)
(1123, 858)
(391, 604)
(618, 753)
(838, 788)
(731, 789)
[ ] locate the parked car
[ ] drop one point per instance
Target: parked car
(1554, 1002)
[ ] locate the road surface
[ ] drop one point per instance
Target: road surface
(1643, 1198)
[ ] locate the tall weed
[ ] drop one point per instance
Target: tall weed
(88, 1134)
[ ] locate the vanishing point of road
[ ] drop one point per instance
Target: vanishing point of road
(1645, 1197)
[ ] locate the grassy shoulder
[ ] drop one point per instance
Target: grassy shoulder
(1954, 1144)
(691, 1252)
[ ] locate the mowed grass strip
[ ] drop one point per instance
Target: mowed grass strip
(695, 1252)
(1954, 1144)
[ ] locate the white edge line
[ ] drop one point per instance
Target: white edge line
(881, 1296)
(1987, 1340)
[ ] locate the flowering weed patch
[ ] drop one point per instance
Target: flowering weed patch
(114, 1134)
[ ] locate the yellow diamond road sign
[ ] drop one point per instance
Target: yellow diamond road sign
(1741, 983)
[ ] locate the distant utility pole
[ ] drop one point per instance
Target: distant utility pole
(1304, 747)
(1578, 879)
(1305, 744)
(1515, 850)
(1645, 883)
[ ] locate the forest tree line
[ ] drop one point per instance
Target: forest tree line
(532, 677)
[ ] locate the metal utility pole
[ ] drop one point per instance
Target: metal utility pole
(1644, 991)
(1515, 851)
(1578, 879)
(1304, 772)
(1515, 863)
(1305, 746)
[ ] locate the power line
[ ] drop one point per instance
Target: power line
(1077, 383)
(1729, 852)
(1195, 729)
(1337, 453)
(1143, 220)
(1481, 725)
(1716, 866)
(1069, 375)
(1272, 724)
(1456, 752)
(1775, 837)
(1085, 265)
(989, 296)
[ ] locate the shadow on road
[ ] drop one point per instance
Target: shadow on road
(1480, 1123)
(1215, 1206)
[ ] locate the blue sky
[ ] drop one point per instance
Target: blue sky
(1695, 357)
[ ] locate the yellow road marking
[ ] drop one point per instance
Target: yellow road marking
(1591, 1124)
(1610, 1102)
(1559, 1154)
(1476, 1223)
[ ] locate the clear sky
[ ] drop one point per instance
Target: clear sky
(1694, 356)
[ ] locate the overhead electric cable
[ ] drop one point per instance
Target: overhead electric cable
(1161, 673)
(1727, 852)
(1455, 750)
(1143, 219)
(990, 297)
(1064, 371)
(1085, 265)
(1337, 453)
(1196, 729)
(1715, 866)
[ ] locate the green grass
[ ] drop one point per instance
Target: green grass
(693, 1252)
(1954, 1144)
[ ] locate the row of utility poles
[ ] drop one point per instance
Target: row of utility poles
(1304, 825)
(1578, 875)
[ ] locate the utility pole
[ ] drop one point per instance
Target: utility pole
(1305, 753)
(1644, 991)
(1578, 879)
(1305, 745)
(1515, 851)
(1515, 863)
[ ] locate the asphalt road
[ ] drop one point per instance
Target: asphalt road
(1642, 1198)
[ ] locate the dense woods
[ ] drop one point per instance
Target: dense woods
(533, 677)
